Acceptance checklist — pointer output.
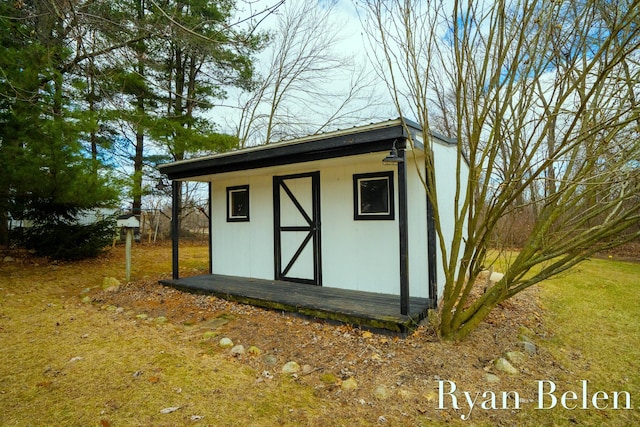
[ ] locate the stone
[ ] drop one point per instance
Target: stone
(529, 348)
(254, 351)
(8, 259)
(86, 300)
(523, 330)
(381, 393)
(495, 277)
(160, 320)
(142, 316)
(307, 369)
(237, 350)
(270, 359)
(516, 357)
(110, 282)
(524, 338)
(225, 342)
(214, 323)
(209, 334)
(503, 365)
(328, 378)
(491, 378)
(291, 368)
(349, 384)
(525, 334)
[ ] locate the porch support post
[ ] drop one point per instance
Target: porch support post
(404, 232)
(432, 259)
(175, 226)
(210, 213)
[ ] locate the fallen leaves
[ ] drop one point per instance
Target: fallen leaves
(334, 352)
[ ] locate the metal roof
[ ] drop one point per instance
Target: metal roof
(374, 137)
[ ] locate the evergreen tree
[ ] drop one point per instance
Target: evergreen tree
(45, 173)
(72, 73)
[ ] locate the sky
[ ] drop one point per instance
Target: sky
(352, 45)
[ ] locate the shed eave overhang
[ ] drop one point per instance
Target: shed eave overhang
(362, 140)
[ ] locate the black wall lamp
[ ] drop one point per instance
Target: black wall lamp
(393, 157)
(162, 184)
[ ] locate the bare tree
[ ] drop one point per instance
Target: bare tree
(303, 68)
(546, 108)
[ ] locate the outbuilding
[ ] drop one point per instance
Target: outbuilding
(333, 216)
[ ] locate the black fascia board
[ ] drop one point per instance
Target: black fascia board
(376, 140)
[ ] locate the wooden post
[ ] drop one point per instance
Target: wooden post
(128, 252)
(404, 233)
(432, 248)
(210, 214)
(175, 228)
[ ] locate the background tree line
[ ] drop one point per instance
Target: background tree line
(95, 93)
(86, 84)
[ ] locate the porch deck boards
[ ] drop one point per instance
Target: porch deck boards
(367, 309)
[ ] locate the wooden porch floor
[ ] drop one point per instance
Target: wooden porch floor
(367, 309)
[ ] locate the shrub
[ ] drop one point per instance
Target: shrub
(70, 241)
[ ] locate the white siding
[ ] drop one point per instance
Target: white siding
(417, 225)
(359, 255)
(445, 160)
(243, 248)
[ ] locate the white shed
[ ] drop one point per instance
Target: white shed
(325, 210)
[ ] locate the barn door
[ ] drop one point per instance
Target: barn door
(296, 204)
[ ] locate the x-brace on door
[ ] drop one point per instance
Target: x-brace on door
(296, 205)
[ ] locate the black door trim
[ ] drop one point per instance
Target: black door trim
(312, 228)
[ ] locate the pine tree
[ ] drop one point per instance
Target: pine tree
(45, 173)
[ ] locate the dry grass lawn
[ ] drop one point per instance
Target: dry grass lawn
(66, 362)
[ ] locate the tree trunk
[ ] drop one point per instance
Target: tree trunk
(136, 206)
(4, 228)
(137, 160)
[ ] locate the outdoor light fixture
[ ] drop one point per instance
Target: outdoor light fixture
(393, 157)
(162, 184)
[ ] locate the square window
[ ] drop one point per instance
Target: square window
(238, 203)
(373, 196)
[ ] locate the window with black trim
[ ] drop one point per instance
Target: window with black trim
(238, 203)
(373, 196)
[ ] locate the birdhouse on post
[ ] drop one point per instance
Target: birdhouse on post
(129, 222)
